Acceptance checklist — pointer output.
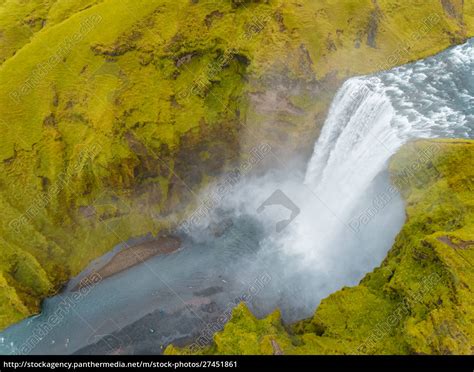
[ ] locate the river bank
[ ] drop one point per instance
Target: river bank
(344, 223)
(420, 299)
(132, 256)
(149, 108)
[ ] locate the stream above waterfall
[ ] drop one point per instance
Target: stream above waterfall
(284, 241)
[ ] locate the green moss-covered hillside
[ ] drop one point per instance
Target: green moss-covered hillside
(115, 113)
(419, 301)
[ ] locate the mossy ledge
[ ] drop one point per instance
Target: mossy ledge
(114, 114)
(419, 301)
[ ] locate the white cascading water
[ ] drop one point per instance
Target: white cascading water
(369, 120)
(371, 117)
(315, 255)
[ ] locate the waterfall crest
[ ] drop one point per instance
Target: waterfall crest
(343, 221)
(371, 117)
(349, 217)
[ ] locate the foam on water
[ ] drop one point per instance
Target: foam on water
(323, 249)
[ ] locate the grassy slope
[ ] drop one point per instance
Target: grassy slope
(20, 20)
(122, 87)
(420, 300)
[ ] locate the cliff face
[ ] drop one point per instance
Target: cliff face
(419, 301)
(114, 114)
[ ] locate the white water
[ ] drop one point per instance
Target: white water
(371, 117)
(369, 120)
(316, 254)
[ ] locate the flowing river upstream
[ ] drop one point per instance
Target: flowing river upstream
(282, 242)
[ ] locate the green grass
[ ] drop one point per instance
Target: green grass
(123, 85)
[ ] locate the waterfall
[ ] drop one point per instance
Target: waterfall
(371, 117)
(355, 143)
(348, 217)
(342, 222)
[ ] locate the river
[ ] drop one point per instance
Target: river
(310, 238)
